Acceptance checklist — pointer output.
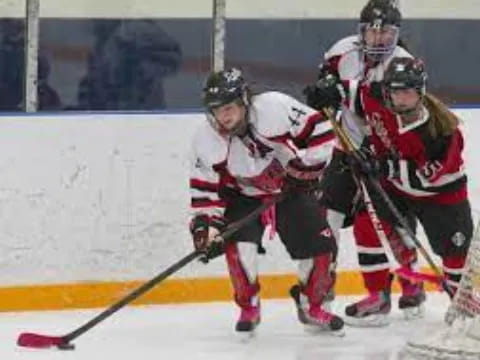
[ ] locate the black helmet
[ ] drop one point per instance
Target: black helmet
(381, 12)
(380, 15)
(404, 73)
(225, 86)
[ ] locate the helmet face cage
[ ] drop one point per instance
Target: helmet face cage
(378, 41)
(379, 28)
(404, 73)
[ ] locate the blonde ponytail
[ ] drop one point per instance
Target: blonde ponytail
(442, 121)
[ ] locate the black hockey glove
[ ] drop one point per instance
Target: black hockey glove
(364, 162)
(300, 177)
(199, 230)
(327, 92)
(205, 233)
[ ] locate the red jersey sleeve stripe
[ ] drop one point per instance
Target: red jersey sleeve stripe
(321, 139)
(203, 185)
(207, 203)
(309, 127)
(281, 138)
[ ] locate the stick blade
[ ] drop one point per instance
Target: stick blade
(418, 277)
(38, 341)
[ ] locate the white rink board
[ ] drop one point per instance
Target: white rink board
(105, 197)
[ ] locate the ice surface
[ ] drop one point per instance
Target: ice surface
(205, 331)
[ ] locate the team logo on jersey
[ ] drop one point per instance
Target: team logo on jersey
(256, 148)
(458, 239)
(378, 127)
(269, 180)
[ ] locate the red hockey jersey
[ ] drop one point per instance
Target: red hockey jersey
(421, 166)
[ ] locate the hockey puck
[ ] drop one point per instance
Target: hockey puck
(66, 346)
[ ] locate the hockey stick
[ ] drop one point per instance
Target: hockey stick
(399, 269)
(39, 341)
(372, 213)
(347, 142)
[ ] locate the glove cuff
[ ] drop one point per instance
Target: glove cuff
(298, 170)
(199, 223)
(218, 222)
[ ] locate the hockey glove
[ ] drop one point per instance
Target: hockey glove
(364, 162)
(327, 92)
(206, 235)
(300, 177)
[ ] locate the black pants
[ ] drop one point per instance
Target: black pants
(302, 227)
(339, 189)
(449, 228)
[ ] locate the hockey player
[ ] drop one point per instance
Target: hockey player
(416, 149)
(361, 57)
(247, 152)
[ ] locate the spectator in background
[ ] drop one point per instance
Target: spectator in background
(127, 66)
(12, 71)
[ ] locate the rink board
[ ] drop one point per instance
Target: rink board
(102, 294)
(91, 205)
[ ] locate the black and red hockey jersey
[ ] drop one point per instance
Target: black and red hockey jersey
(421, 166)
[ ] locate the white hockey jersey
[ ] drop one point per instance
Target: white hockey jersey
(281, 128)
(346, 59)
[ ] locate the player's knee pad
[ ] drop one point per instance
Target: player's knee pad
(335, 220)
(328, 244)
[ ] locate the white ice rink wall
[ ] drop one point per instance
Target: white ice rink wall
(105, 197)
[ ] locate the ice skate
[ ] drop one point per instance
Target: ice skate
(320, 320)
(371, 311)
(248, 321)
(301, 302)
(311, 296)
(411, 302)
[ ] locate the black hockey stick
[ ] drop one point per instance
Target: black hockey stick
(33, 340)
(347, 142)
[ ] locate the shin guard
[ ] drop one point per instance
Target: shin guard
(242, 266)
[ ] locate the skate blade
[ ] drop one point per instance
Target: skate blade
(327, 306)
(315, 330)
(245, 336)
(413, 313)
(377, 320)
